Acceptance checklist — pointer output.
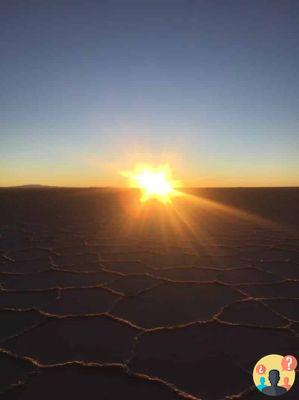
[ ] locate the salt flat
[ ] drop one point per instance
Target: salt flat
(104, 298)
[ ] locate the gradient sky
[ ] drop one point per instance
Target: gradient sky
(89, 87)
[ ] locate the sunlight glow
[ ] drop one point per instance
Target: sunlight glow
(154, 182)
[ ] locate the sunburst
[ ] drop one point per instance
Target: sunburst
(154, 182)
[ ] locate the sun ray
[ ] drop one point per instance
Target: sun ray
(186, 218)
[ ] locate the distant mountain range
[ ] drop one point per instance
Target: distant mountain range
(31, 186)
(39, 186)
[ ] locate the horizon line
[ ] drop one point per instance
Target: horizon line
(41, 186)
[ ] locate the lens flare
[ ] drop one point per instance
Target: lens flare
(154, 182)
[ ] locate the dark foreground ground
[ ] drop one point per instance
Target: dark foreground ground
(102, 299)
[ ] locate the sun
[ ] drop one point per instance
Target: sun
(154, 182)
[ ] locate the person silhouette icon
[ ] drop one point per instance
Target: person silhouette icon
(274, 389)
(286, 383)
(262, 385)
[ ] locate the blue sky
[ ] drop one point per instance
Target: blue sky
(91, 87)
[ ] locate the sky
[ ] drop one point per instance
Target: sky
(88, 88)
